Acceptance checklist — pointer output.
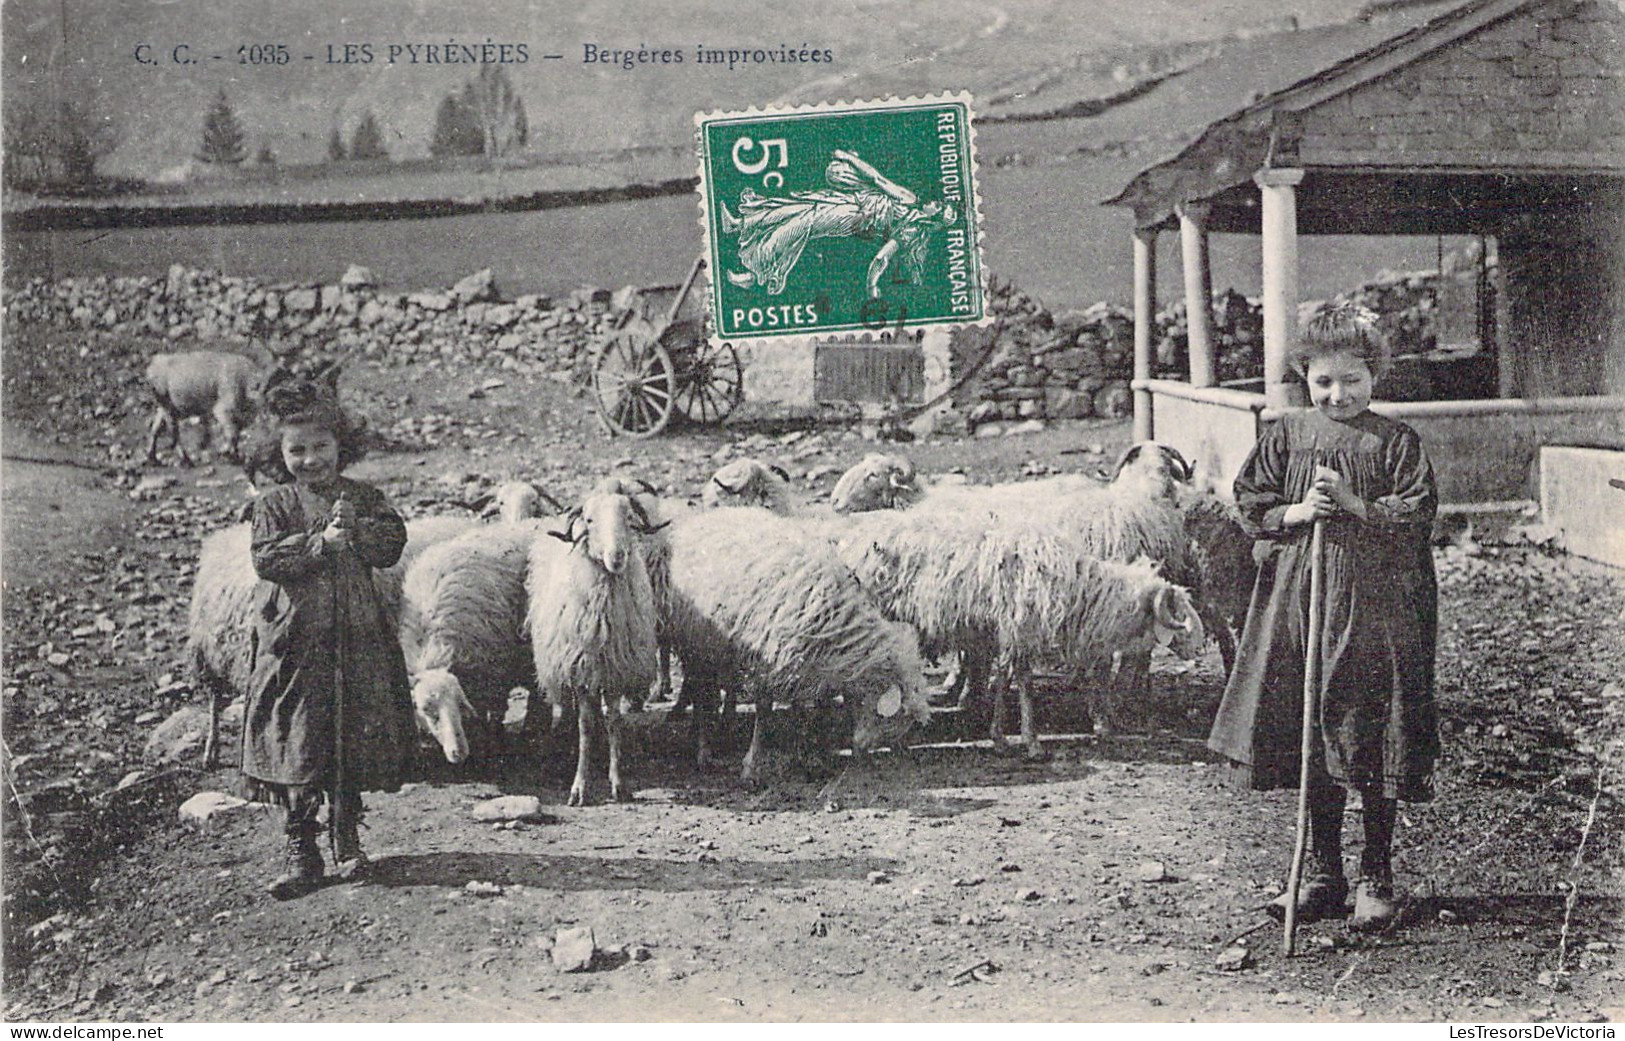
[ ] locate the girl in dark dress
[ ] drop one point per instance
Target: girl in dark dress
(328, 710)
(1368, 478)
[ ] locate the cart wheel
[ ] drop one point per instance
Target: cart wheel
(714, 385)
(632, 379)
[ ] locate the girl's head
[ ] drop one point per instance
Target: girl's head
(307, 437)
(1341, 354)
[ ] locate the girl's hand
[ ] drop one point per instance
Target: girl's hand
(1315, 506)
(1335, 487)
(339, 526)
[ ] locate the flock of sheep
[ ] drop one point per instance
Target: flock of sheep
(766, 601)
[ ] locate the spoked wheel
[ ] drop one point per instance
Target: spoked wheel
(713, 385)
(633, 381)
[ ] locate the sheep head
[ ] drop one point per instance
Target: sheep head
(1175, 623)
(514, 501)
(879, 482)
(1160, 469)
(440, 707)
(605, 527)
(749, 482)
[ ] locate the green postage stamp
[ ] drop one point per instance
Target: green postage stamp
(841, 217)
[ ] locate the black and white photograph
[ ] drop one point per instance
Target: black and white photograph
(860, 511)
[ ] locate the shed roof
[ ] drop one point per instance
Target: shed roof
(1225, 141)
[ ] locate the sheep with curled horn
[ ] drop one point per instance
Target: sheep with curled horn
(1026, 590)
(591, 619)
(756, 603)
(513, 501)
(750, 482)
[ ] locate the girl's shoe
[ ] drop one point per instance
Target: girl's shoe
(304, 868)
(1321, 895)
(1374, 906)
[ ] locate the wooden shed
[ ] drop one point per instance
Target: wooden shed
(1499, 118)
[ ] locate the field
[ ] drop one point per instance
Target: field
(944, 883)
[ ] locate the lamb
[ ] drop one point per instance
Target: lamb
(750, 482)
(462, 629)
(1030, 589)
(203, 384)
(591, 619)
(758, 603)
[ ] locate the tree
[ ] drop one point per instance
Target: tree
(55, 142)
(368, 140)
(456, 129)
(222, 135)
(486, 118)
(265, 157)
(335, 147)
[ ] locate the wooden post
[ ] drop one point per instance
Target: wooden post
(1145, 321)
(1198, 291)
(1278, 189)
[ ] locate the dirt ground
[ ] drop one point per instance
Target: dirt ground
(946, 882)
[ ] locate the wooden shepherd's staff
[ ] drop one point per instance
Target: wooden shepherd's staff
(340, 811)
(1311, 699)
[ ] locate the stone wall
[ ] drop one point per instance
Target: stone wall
(466, 321)
(1031, 363)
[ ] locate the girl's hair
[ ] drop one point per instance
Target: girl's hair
(291, 400)
(1342, 329)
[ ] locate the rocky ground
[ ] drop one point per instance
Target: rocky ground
(1111, 881)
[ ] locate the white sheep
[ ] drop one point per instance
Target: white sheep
(220, 621)
(203, 384)
(757, 603)
(591, 618)
(750, 482)
(881, 481)
(220, 624)
(514, 501)
(1135, 515)
(1032, 588)
(462, 630)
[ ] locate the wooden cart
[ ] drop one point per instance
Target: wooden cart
(645, 371)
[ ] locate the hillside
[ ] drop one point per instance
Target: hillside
(1014, 50)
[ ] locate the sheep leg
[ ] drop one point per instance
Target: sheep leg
(161, 420)
(663, 681)
(750, 769)
(1227, 646)
(1001, 685)
(211, 743)
(702, 702)
(618, 790)
(586, 719)
(225, 417)
(1022, 676)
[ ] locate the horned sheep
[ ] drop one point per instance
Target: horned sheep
(591, 619)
